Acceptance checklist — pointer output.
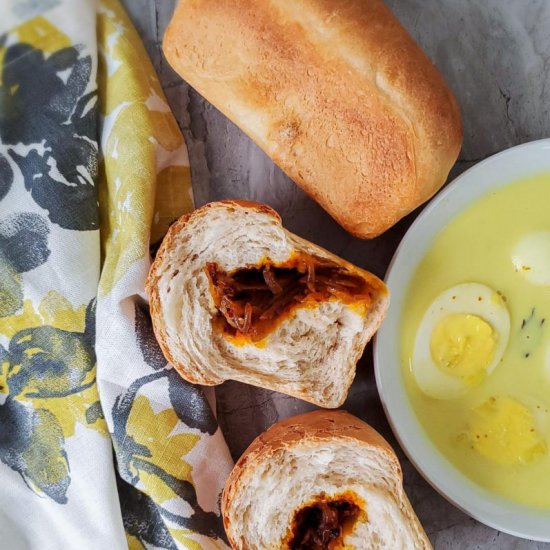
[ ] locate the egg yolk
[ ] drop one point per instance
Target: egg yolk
(503, 430)
(463, 345)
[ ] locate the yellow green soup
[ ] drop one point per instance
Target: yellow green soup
(476, 341)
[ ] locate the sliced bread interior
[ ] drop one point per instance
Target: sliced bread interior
(236, 296)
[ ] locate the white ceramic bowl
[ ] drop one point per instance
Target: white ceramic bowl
(497, 171)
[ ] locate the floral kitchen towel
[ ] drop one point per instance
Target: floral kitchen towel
(102, 445)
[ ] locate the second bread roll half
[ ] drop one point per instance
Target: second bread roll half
(334, 91)
(320, 481)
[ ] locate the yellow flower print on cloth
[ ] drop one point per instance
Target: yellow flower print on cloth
(48, 378)
(146, 180)
(154, 432)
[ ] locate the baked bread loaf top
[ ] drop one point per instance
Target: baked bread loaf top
(334, 91)
(236, 296)
(322, 480)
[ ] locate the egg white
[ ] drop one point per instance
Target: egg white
(465, 299)
(541, 413)
(531, 257)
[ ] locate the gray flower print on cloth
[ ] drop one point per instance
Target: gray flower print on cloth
(48, 125)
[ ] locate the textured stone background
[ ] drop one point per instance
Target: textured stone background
(495, 55)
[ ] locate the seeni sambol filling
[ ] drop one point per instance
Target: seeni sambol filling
(252, 301)
(324, 523)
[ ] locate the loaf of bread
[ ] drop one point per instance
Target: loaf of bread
(319, 481)
(236, 296)
(334, 91)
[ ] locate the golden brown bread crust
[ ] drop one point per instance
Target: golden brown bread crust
(335, 91)
(314, 426)
(151, 289)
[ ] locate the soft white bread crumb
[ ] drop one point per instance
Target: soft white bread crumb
(311, 355)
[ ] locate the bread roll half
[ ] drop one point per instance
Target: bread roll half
(236, 296)
(319, 481)
(334, 91)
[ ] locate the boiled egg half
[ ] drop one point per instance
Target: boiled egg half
(460, 340)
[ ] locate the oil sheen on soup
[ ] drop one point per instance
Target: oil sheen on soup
(476, 342)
